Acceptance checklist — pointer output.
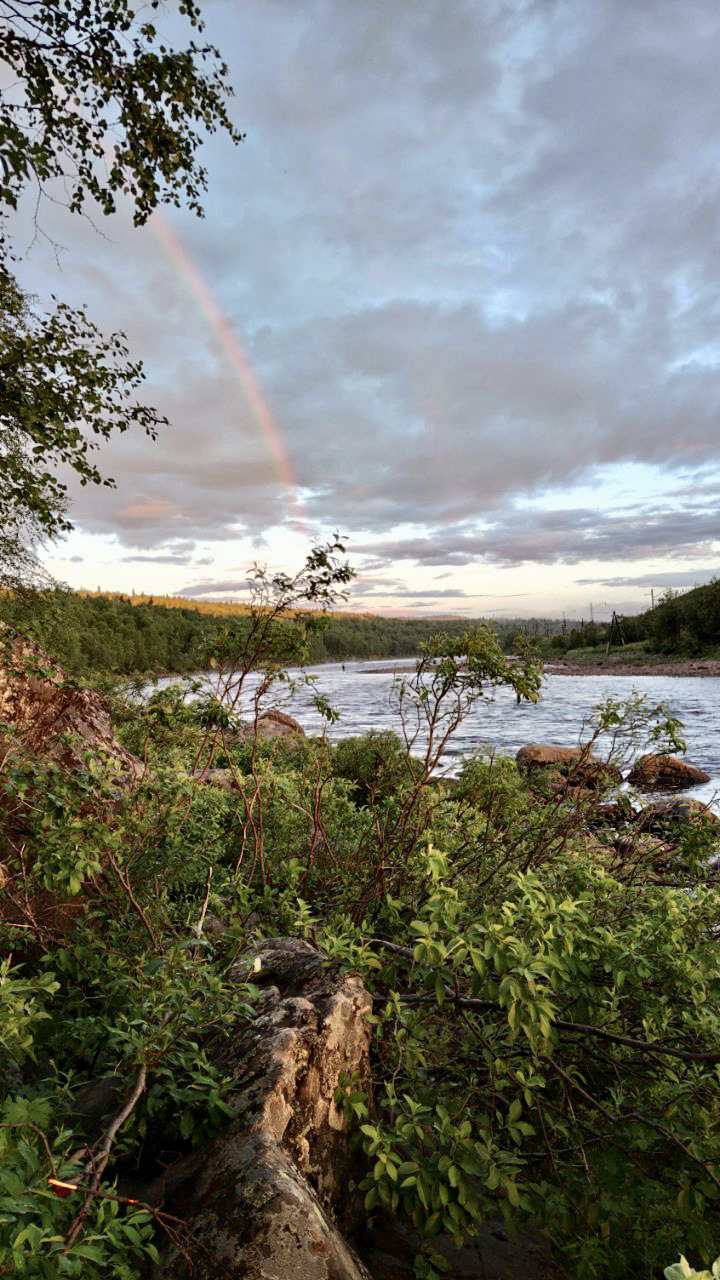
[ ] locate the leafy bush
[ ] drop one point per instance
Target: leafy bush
(546, 1027)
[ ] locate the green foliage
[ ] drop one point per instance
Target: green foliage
(22, 1005)
(100, 100)
(62, 385)
(632, 726)
(377, 764)
(111, 635)
(682, 624)
(518, 1035)
(688, 622)
(546, 1028)
(129, 985)
(34, 1218)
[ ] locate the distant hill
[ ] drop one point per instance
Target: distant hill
(139, 635)
(685, 622)
(682, 624)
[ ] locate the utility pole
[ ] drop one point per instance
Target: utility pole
(615, 625)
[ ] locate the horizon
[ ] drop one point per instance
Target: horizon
(455, 295)
(345, 609)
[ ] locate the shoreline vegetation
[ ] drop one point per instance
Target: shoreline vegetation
(541, 962)
(120, 635)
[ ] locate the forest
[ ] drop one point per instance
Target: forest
(129, 637)
(137, 635)
(681, 624)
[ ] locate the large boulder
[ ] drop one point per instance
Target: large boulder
(543, 755)
(49, 715)
(576, 763)
(665, 773)
(672, 814)
(278, 724)
(270, 1196)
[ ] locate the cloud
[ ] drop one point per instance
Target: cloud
(449, 594)
(231, 586)
(157, 559)
(468, 261)
(681, 578)
(561, 536)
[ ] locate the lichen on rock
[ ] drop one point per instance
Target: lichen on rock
(271, 1196)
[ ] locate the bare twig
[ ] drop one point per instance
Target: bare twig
(203, 913)
(98, 1164)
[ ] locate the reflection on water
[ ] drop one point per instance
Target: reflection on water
(360, 692)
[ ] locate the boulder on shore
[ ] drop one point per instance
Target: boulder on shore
(665, 773)
(659, 818)
(581, 766)
(269, 1197)
(543, 755)
(49, 715)
(278, 724)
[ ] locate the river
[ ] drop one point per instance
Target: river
(360, 692)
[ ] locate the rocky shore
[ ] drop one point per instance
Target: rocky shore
(615, 665)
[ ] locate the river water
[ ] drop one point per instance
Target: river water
(360, 692)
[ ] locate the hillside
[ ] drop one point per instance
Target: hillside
(682, 625)
(126, 636)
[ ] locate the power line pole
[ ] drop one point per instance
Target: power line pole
(615, 625)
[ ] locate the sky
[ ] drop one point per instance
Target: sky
(455, 296)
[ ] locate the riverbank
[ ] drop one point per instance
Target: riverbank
(616, 665)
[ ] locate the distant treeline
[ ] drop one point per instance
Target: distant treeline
(686, 623)
(128, 636)
(125, 636)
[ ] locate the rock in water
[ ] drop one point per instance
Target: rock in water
(270, 1196)
(543, 755)
(665, 773)
(581, 766)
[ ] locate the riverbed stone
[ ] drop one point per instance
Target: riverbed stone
(544, 755)
(560, 764)
(674, 813)
(278, 724)
(665, 773)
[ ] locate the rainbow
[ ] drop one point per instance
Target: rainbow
(237, 359)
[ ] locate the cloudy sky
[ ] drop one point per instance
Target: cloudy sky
(456, 295)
